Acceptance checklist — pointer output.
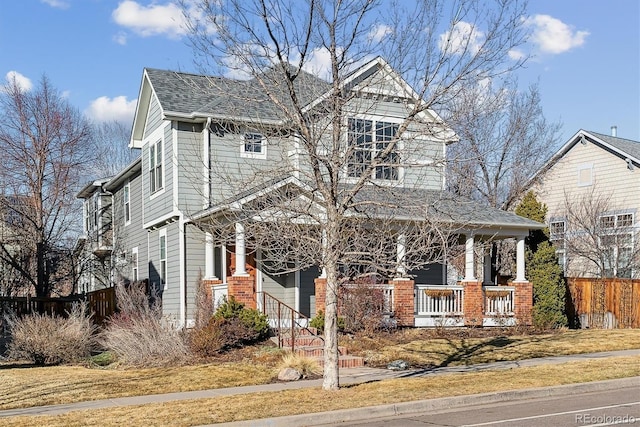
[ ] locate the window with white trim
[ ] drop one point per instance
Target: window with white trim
(557, 230)
(367, 139)
(155, 167)
(617, 244)
(126, 200)
(254, 146)
(134, 264)
(162, 272)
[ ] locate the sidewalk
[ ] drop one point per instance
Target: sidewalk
(347, 376)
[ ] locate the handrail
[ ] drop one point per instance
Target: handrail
(281, 313)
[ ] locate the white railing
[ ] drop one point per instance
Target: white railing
(219, 294)
(439, 300)
(499, 300)
(387, 292)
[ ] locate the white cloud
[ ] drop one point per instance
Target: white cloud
(120, 38)
(462, 38)
(58, 4)
(516, 54)
(23, 82)
(553, 36)
(378, 32)
(105, 109)
(151, 20)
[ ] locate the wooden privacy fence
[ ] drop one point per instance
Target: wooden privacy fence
(102, 304)
(604, 303)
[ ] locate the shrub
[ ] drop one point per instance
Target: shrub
(249, 317)
(138, 334)
(318, 322)
(362, 307)
(231, 326)
(52, 340)
(549, 288)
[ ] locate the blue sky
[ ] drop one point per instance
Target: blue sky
(587, 58)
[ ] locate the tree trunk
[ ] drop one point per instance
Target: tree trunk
(331, 380)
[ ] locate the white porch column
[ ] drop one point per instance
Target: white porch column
(401, 249)
(241, 254)
(208, 257)
(520, 260)
(486, 266)
(469, 260)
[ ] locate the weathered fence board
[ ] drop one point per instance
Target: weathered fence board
(600, 303)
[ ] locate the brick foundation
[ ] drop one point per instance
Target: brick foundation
(404, 302)
(243, 289)
(523, 302)
(473, 303)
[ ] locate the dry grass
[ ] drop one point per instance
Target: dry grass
(261, 405)
(426, 348)
(25, 387)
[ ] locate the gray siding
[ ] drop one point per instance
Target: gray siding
(160, 203)
(154, 116)
(280, 286)
(195, 265)
(131, 235)
(308, 291)
(191, 164)
(171, 295)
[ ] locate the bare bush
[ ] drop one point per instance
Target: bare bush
(51, 340)
(139, 335)
(363, 307)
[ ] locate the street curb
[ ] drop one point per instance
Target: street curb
(430, 405)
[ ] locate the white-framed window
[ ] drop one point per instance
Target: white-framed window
(617, 244)
(557, 230)
(155, 167)
(366, 139)
(162, 246)
(134, 265)
(126, 201)
(91, 212)
(254, 145)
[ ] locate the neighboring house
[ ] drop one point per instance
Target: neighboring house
(590, 187)
(187, 127)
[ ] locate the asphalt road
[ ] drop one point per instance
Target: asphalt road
(601, 408)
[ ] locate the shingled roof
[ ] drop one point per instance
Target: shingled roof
(198, 95)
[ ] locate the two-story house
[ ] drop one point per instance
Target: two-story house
(209, 146)
(590, 188)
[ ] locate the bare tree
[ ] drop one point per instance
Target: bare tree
(504, 139)
(597, 239)
(46, 145)
(338, 217)
(113, 153)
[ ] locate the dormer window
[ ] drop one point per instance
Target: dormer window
(367, 141)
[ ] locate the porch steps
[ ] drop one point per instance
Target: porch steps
(312, 346)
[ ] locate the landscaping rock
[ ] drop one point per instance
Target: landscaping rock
(289, 374)
(398, 365)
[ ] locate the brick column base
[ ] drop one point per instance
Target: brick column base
(243, 289)
(321, 293)
(524, 302)
(404, 301)
(473, 303)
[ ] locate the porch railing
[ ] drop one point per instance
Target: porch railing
(285, 321)
(439, 300)
(387, 294)
(499, 300)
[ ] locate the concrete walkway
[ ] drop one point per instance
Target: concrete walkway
(347, 376)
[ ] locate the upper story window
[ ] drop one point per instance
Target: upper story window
(368, 139)
(254, 146)
(557, 230)
(617, 244)
(155, 167)
(134, 264)
(91, 214)
(612, 222)
(126, 200)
